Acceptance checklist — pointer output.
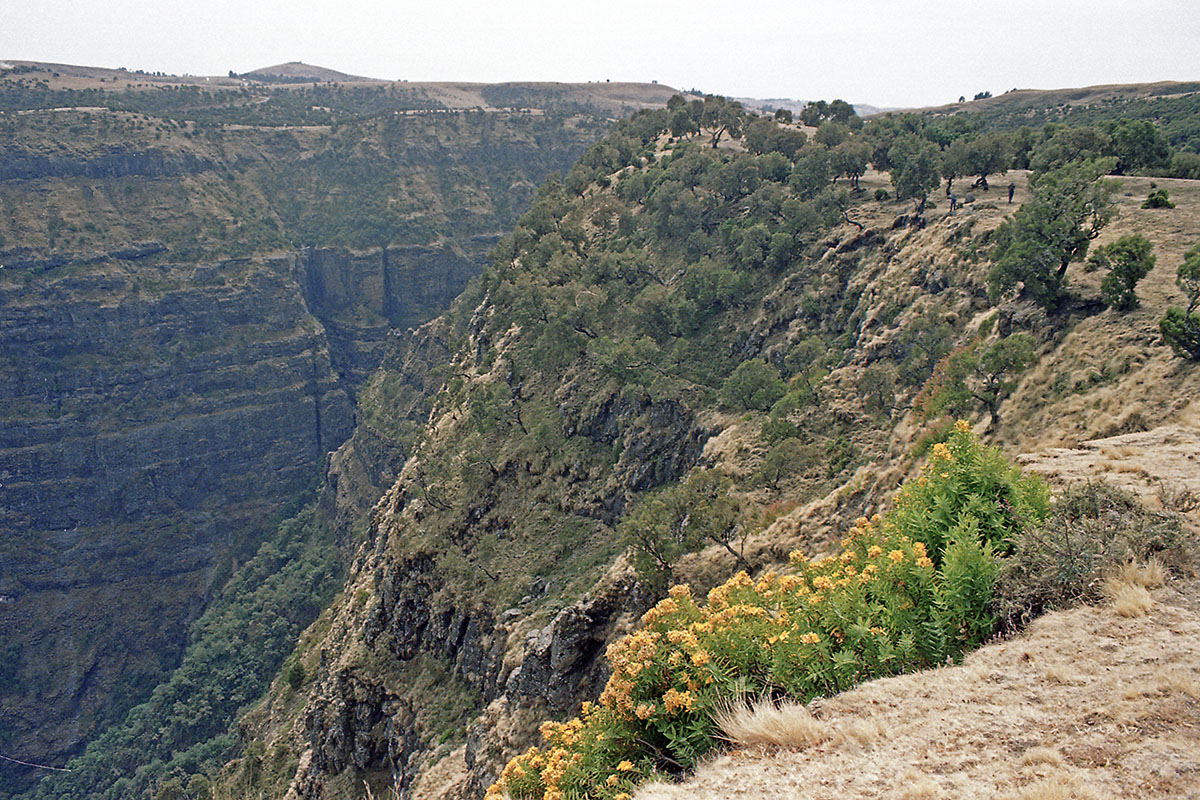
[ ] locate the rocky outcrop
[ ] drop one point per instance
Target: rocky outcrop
(116, 161)
(370, 720)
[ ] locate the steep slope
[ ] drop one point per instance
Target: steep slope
(191, 292)
(690, 327)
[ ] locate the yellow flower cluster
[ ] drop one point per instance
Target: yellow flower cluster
(674, 700)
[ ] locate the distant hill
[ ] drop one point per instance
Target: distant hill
(1026, 100)
(299, 72)
(795, 106)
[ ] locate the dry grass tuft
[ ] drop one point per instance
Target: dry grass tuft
(768, 724)
(1064, 675)
(862, 732)
(1129, 599)
(1151, 574)
(919, 787)
(1042, 755)
(1180, 681)
(1058, 787)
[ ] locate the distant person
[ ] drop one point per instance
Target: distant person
(953, 202)
(1012, 187)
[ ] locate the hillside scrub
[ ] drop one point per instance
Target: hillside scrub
(910, 589)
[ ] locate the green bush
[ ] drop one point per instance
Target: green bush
(754, 386)
(1091, 529)
(1127, 260)
(1181, 331)
(908, 590)
(1159, 198)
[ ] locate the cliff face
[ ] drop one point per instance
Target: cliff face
(143, 441)
(360, 296)
(610, 352)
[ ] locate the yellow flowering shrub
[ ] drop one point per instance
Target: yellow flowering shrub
(908, 590)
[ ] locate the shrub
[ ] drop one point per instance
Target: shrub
(1093, 528)
(1181, 331)
(882, 194)
(908, 590)
(1128, 260)
(1159, 198)
(295, 675)
(754, 386)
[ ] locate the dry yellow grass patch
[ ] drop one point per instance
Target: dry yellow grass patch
(919, 787)
(1064, 675)
(1177, 680)
(1042, 755)
(1128, 599)
(1151, 574)
(768, 724)
(1058, 787)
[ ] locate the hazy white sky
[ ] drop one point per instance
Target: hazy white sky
(880, 52)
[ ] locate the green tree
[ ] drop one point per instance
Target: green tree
(679, 519)
(682, 123)
(850, 159)
(1187, 278)
(781, 460)
(916, 169)
(783, 115)
(812, 172)
(1138, 145)
(831, 134)
(1069, 208)
(1061, 145)
(1127, 260)
(754, 386)
(1180, 328)
(721, 116)
(955, 163)
(976, 374)
(1181, 331)
(990, 154)
(878, 387)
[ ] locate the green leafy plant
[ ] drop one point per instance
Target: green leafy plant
(1159, 198)
(1180, 328)
(1127, 260)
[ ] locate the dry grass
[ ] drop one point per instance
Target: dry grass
(769, 724)
(1058, 787)
(1128, 599)
(1042, 755)
(1181, 681)
(1150, 574)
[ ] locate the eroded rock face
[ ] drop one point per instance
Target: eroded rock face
(146, 435)
(24, 163)
(362, 719)
(360, 296)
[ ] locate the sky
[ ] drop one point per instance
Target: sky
(880, 52)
